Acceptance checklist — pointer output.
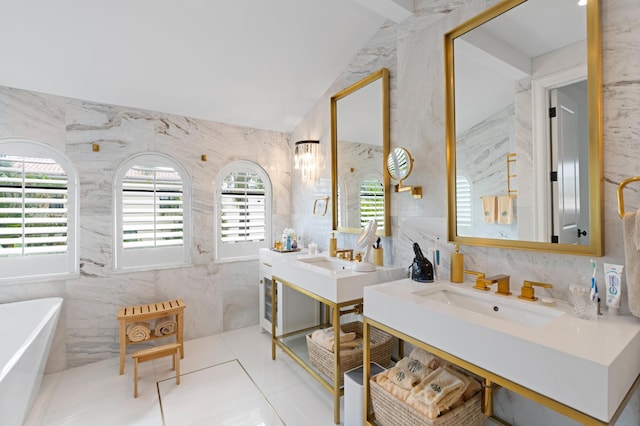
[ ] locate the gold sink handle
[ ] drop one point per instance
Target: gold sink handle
(527, 290)
(481, 282)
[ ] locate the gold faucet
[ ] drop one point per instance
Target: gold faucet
(527, 290)
(483, 283)
(345, 254)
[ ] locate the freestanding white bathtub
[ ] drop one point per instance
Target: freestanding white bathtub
(27, 331)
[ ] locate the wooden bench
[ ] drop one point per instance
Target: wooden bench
(132, 314)
(143, 355)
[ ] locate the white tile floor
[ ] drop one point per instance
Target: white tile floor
(226, 379)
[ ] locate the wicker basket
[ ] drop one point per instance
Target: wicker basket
(380, 350)
(390, 411)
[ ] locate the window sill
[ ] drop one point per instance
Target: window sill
(237, 259)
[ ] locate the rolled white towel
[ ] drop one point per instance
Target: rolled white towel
(165, 326)
(139, 331)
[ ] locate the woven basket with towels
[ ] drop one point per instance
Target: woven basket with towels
(423, 390)
(350, 358)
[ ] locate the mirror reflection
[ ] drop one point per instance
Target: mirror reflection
(399, 164)
(360, 145)
(523, 127)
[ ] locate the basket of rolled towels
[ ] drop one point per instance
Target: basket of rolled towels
(321, 345)
(422, 389)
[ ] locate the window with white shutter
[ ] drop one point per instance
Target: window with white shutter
(243, 211)
(38, 211)
(152, 213)
(463, 204)
(371, 202)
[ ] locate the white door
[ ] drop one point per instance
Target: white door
(565, 161)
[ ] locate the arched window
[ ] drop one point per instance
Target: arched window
(243, 211)
(152, 194)
(38, 211)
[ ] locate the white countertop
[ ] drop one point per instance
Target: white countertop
(587, 365)
(337, 286)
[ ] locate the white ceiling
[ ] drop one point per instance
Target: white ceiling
(256, 63)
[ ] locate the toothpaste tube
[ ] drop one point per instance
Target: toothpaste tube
(613, 282)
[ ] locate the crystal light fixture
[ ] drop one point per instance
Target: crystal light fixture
(307, 159)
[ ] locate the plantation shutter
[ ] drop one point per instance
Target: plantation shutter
(463, 202)
(33, 206)
(242, 209)
(152, 208)
(371, 202)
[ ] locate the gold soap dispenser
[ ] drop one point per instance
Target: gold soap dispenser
(333, 245)
(457, 266)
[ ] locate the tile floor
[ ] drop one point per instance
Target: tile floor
(226, 379)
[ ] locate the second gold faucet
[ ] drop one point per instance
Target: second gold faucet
(483, 283)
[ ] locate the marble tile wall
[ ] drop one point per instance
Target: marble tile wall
(218, 296)
(413, 52)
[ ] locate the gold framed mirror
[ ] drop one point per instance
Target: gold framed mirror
(523, 94)
(359, 150)
(399, 167)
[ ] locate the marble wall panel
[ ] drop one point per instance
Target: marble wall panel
(218, 296)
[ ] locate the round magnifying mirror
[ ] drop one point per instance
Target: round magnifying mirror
(399, 164)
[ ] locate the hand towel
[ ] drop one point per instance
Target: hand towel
(436, 393)
(415, 367)
(632, 261)
(403, 377)
(326, 339)
(383, 380)
(505, 210)
(139, 331)
(164, 326)
(489, 208)
(636, 232)
(472, 386)
(425, 358)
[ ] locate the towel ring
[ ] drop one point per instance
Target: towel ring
(620, 190)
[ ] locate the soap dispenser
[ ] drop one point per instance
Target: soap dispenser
(457, 266)
(333, 245)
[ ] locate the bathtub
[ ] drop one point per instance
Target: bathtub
(27, 331)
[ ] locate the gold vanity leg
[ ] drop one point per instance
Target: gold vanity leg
(274, 302)
(366, 370)
(336, 365)
(487, 400)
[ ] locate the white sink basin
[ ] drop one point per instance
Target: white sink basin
(487, 303)
(330, 278)
(322, 262)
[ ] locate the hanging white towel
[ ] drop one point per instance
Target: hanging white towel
(505, 210)
(489, 208)
(632, 261)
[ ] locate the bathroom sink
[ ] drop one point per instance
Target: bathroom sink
(325, 263)
(487, 303)
(330, 278)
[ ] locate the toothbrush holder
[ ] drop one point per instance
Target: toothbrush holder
(378, 256)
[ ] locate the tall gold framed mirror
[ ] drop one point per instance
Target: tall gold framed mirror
(523, 93)
(359, 150)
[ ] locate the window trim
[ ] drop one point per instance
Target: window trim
(58, 266)
(151, 258)
(222, 255)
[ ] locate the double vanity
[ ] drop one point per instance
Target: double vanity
(583, 369)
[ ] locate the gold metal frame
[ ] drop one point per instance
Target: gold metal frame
(332, 310)
(320, 206)
(621, 190)
(594, 83)
(383, 74)
(490, 378)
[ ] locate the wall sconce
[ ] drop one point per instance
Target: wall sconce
(307, 159)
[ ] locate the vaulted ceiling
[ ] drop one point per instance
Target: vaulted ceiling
(256, 63)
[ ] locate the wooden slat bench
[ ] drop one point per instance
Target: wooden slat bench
(148, 354)
(132, 314)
